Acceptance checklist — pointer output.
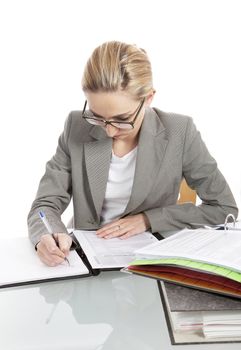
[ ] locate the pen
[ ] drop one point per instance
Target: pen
(49, 229)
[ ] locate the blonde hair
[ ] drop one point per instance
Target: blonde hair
(117, 66)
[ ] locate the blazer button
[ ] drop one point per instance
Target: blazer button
(91, 221)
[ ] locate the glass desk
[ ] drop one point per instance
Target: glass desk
(113, 311)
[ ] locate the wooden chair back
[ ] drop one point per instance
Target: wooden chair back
(186, 194)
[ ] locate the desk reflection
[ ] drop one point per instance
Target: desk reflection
(125, 303)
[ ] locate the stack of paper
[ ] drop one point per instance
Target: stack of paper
(187, 322)
(226, 324)
(195, 316)
(205, 259)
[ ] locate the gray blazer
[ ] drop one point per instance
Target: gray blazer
(169, 149)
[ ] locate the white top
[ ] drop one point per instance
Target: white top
(119, 186)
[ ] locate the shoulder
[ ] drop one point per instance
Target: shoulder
(76, 127)
(171, 119)
(173, 124)
(75, 120)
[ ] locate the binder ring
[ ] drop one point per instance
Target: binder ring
(226, 221)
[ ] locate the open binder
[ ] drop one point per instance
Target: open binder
(20, 264)
(205, 259)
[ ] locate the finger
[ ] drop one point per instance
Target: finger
(106, 227)
(49, 259)
(64, 242)
(52, 261)
(42, 249)
(129, 234)
(113, 230)
(48, 243)
(118, 233)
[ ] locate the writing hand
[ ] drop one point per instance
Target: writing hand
(125, 227)
(51, 250)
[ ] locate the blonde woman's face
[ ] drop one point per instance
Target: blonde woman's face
(117, 106)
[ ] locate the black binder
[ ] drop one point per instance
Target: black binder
(20, 264)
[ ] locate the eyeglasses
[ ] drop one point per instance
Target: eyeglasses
(94, 120)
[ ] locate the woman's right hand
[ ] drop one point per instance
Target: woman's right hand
(53, 249)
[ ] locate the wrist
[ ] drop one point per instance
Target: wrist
(146, 221)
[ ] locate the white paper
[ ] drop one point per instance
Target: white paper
(222, 324)
(19, 263)
(187, 321)
(220, 247)
(113, 252)
(213, 324)
(225, 317)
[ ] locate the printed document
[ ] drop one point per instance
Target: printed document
(217, 247)
(113, 252)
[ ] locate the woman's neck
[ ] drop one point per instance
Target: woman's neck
(122, 147)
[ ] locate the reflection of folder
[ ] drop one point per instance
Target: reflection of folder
(19, 263)
(187, 311)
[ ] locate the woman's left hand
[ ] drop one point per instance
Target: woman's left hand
(125, 227)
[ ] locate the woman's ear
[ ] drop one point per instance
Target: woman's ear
(149, 98)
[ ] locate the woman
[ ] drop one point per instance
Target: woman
(123, 161)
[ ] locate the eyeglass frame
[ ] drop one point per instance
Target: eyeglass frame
(109, 122)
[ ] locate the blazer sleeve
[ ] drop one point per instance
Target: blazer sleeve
(54, 192)
(200, 170)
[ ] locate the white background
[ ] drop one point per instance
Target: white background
(194, 46)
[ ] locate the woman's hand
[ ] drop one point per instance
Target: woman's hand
(53, 250)
(125, 227)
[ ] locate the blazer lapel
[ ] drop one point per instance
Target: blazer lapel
(151, 149)
(97, 160)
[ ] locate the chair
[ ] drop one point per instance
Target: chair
(186, 194)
